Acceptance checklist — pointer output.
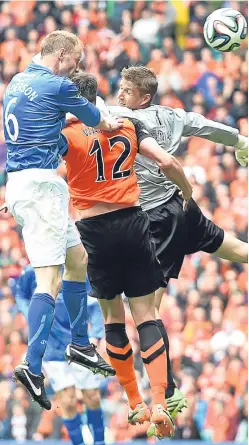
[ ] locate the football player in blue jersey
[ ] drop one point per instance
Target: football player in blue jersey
(65, 378)
(34, 107)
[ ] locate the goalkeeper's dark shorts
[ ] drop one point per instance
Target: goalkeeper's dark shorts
(178, 233)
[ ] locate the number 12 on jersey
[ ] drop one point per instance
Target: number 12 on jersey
(117, 172)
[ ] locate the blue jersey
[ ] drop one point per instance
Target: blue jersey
(60, 334)
(34, 108)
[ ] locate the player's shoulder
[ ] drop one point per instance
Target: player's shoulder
(129, 127)
(42, 79)
(153, 108)
(68, 85)
(51, 81)
(135, 123)
(74, 126)
(128, 122)
(134, 129)
(43, 75)
(15, 79)
(74, 129)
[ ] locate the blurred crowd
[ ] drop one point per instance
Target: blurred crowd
(205, 311)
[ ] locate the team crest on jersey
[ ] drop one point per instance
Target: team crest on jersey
(89, 131)
(162, 135)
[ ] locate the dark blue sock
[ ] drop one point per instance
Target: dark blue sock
(40, 319)
(95, 421)
(75, 298)
(73, 427)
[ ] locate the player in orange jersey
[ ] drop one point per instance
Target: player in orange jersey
(121, 253)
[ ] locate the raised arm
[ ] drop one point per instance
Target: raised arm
(197, 125)
(71, 101)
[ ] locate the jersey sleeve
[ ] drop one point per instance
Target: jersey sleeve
(197, 125)
(140, 129)
(70, 100)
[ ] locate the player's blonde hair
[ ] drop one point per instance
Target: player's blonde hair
(143, 78)
(57, 40)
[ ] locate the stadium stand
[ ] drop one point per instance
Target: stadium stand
(206, 309)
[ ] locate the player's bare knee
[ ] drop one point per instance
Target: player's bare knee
(91, 398)
(113, 310)
(56, 284)
(67, 401)
(48, 280)
(158, 297)
(143, 308)
(243, 252)
(76, 264)
(233, 249)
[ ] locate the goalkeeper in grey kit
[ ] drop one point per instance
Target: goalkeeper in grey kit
(177, 232)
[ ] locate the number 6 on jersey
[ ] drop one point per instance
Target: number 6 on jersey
(10, 117)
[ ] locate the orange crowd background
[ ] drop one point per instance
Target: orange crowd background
(205, 310)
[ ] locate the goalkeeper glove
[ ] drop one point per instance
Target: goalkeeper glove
(241, 152)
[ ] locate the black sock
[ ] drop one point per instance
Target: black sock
(171, 384)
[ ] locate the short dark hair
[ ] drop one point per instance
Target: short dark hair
(86, 84)
(143, 78)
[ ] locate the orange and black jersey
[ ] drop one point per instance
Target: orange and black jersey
(100, 164)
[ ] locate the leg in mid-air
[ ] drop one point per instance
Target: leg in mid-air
(48, 284)
(232, 249)
(204, 235)
(62, 377)
(137, 88)
(44, 227)
(74, 293)
(36, 196)
(176, 400)
(167, 225)
(200, 234)
(136, 272)
(121, 357)
(40, 319)
(153, 355)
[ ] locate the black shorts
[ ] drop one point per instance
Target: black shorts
(178, 233)
(121, 254)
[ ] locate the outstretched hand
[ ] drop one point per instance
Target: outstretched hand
(241, 153)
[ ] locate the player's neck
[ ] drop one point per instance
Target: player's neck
(143, 106)
(50, 62)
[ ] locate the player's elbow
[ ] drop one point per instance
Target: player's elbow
(166, 163)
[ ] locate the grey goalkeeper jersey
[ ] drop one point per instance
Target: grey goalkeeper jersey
(167, 126)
